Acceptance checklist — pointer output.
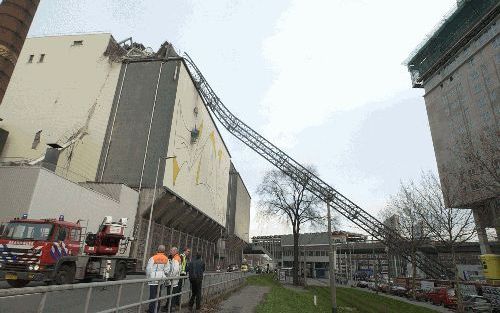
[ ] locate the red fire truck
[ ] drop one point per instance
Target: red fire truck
(52, 250)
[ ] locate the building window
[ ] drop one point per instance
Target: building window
(42, 57)
(78, 43)
(30, 60)
(36, 140)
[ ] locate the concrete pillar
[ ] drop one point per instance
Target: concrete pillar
(481, 232)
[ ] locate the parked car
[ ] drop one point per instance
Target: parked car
(362, 284)
(382, 287)
(420, 294)
(477, 304)
(442, 296)
(398, 291)
(244, 268)
(372, 286)
(232, 268)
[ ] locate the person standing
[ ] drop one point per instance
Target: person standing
(183, 262)
(156, 268)
(173, 285)
(196, 269)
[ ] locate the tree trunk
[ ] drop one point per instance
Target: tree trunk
(458, 292)
(414, 272)
(295, 258)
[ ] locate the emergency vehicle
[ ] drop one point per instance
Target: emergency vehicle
(52, 250)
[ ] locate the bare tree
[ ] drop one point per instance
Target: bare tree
(473, 171)
(290, 201)
(449, 226)
(406, 206)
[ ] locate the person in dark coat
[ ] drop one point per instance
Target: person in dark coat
(195, 269)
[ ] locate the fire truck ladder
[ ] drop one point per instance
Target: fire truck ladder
(395, 242)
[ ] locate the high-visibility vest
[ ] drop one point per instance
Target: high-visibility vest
(183, 263)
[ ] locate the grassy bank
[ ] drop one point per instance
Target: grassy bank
(282, 299)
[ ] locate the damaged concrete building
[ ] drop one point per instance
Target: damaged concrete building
(99, 113)
(458, 68)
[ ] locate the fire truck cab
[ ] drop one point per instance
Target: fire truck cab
(50, 250)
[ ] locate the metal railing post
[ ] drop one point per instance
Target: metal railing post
(140, 298)
(118, 297)
(87, 300)
(180, 296)
(157, 302)
(169, 292)
(41, 305)
(207, 289)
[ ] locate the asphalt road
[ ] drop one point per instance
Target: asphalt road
(74, 300)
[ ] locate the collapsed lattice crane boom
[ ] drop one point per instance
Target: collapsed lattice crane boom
(313, 183)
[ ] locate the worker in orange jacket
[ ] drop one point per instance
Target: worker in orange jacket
(157, 268)
(174, 270)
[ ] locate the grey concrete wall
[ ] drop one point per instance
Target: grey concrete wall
(242, 217)
(127, 146)
(54, 196)
(238, 206)
(16, 189)
(111, 190)
(231, 200)
(42, 194)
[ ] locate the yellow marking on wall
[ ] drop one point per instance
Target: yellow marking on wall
(175, 170)
(212, 138)
(200, 129)
(198, 173)
(220, 155)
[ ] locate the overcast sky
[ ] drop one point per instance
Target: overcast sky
(323, 80)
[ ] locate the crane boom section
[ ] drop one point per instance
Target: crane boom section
(312, 182)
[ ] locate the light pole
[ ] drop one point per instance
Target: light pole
(332, 268)
(144, 258)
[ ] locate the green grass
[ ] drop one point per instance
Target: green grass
(282, 299)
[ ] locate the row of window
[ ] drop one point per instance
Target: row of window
(354, 256)
(41, 58)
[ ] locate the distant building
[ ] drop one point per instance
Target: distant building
(91, 109)
(459, 67)
(357, 257)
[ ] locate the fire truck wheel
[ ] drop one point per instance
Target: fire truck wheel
(65, 275)
(19, 283)
(121, 271)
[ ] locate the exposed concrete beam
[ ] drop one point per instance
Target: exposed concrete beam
(194, 222)
(162, 206)
(182, 217)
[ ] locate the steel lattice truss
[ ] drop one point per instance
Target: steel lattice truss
(313, 183)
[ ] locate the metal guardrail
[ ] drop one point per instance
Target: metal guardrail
(214, 285)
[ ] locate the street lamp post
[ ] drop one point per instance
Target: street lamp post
(151, 211)
(332, 268)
